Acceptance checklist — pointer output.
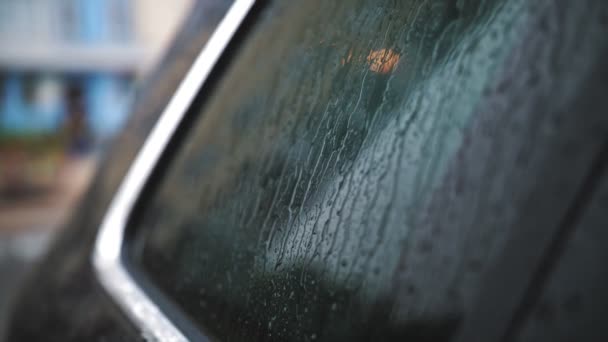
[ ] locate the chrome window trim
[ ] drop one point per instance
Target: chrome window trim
(107, 256)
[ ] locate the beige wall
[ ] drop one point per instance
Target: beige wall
(156, 22)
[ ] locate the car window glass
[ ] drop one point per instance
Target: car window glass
(286, 212)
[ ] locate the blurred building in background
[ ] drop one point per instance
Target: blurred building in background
(61, 56)
(66, 60)
(67, 73)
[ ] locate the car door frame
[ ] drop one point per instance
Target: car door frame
(108, 258)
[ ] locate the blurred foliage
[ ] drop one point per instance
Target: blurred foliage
(29, 161)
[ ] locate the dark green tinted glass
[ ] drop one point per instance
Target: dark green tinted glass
(289, 212)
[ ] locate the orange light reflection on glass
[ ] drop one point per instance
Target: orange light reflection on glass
(383, 61)
(348, 58)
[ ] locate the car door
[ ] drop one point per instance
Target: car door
(370, 171)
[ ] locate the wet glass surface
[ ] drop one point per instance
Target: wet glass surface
(287, 213)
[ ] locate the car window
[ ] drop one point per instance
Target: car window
(286, 214)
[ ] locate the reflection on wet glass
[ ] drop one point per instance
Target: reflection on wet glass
(383, 61)
(288, 213)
